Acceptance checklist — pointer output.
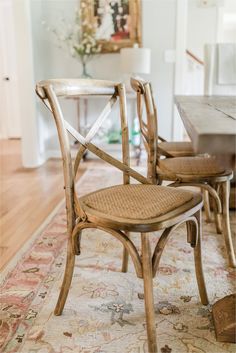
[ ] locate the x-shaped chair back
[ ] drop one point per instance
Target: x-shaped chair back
(49, 91)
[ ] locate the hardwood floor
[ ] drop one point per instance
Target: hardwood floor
(27, 197)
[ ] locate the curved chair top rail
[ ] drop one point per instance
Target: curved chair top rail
(137, 83)
(77, 87)
(144, 88)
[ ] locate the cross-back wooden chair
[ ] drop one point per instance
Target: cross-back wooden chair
(203, 172)
(119, 209)
(174, 148)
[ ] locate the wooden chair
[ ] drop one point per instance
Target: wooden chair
(120, 209)
(174, 148)
(203, 172)
(170, 149)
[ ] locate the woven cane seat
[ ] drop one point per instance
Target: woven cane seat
(135, 202)
(177, 149)
(199, 166)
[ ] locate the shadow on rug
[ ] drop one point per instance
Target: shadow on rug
(103, 313)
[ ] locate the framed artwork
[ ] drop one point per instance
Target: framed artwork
(117, 23)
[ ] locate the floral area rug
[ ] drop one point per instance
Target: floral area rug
(103, 313)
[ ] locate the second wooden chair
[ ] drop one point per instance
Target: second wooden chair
(202, 172)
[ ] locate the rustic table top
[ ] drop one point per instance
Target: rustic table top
(210, 122)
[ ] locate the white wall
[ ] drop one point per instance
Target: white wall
(29, 124)
(158, 22)
(209, 25)
(10, 125)
(202, 27)
(228, 29)
(159, 17)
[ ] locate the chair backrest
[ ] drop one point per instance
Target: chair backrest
(148, 126)
(49, 91)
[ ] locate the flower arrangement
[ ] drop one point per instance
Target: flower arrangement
(80, 39)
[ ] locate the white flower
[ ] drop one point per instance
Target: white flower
(72, 51)
(78, 38)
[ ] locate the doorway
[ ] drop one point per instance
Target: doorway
(10, 125)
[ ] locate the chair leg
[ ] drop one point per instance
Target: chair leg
(125, 259)
(217, 216)
(70, 262)
(138, 155)
(198, 262)
(207, 208)
(226, 223)
(148, 293)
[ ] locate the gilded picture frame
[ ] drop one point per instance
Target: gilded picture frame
(117, 23)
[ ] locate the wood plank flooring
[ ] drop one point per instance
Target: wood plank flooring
(27, 197)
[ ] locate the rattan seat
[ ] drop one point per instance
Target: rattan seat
(177, 149)
(204, 166)
(122, 202)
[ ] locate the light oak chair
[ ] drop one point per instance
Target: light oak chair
(174, 148)
(170, 149)
(203, 172)
(120, 209)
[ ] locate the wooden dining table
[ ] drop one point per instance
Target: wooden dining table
(210, 122)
